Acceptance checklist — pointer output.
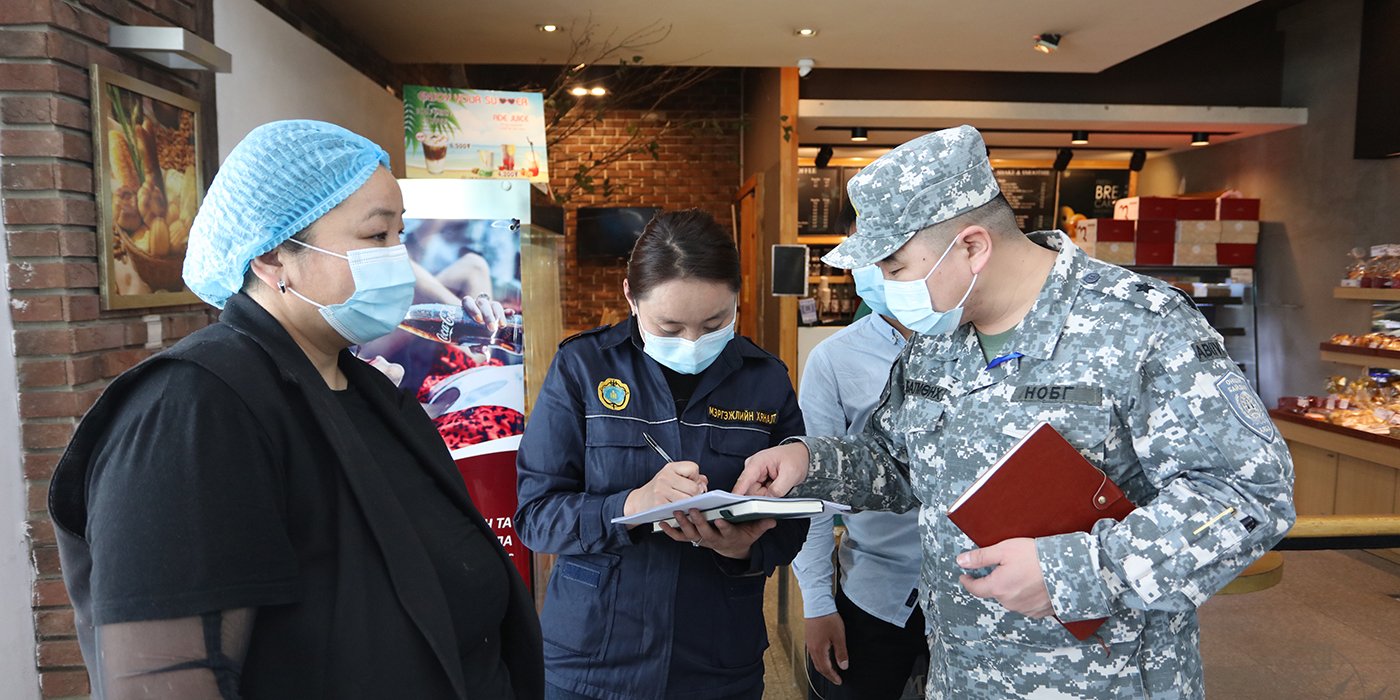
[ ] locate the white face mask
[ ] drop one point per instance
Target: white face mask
(911, 304)
(687, 356)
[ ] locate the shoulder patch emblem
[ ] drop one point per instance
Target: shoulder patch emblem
(614, 394)
(1248, 409)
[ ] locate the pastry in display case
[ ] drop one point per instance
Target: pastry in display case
(1369, 403)
(1381, 270)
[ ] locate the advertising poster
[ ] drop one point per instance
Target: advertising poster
(1089, 194)
(469, 380)
(474, 134)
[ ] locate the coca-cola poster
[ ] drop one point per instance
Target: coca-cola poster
(469, 379)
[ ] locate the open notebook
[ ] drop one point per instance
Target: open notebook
(717, 505)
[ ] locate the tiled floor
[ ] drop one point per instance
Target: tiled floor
(1330, 630)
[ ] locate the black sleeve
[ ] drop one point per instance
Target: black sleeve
(186, 504)
(193, 658)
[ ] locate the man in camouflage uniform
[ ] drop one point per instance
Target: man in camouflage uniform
(1122, 365)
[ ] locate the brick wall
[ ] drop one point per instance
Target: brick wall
(696, 168)
(67, 349)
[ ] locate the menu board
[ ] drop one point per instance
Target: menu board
(1089, 194)
(1031, 194)
(818, 199)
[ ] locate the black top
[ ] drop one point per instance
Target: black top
(471, 574)
(224, 474)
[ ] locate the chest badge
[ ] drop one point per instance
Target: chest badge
(614, 394)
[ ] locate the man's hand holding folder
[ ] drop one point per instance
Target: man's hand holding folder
(1016, 583)
(1039, 488)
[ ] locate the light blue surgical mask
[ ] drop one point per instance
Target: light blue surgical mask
(383, 292)
(870, 287)
(687, 356)
(911, 304)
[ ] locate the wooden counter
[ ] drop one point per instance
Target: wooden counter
(1340, 471)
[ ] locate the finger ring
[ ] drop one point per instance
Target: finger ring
(695, 543)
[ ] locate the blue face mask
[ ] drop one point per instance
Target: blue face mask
(910, 302)
(383, 293)
(687, 356)
(870, 287)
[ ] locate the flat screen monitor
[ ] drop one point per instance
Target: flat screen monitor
(610, 232)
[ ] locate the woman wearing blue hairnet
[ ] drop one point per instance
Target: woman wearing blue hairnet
(257, 513)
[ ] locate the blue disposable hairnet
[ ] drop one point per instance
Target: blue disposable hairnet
(278, 180)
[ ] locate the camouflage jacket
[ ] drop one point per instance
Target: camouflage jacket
(1128, 370)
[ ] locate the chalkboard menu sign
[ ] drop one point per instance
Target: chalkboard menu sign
(1089, 194)
(819, 192)
(1031, 194)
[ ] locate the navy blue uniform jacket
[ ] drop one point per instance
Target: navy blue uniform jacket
(619, 599)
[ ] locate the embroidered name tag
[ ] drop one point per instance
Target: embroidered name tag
(924, 390)
(1210, 350)
(743, 415)
(1085, 395)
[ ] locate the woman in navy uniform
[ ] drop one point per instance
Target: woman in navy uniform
(630, 613)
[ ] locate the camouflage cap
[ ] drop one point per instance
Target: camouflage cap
(926, 181)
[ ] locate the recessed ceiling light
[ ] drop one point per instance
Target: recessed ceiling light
(598, 91)
(579, 91)
(1200, 138)
(547, 28)
(806, 31)
(859, 134)
(1079, 138)
(1046, 43)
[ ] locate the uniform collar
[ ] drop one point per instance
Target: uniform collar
(1039, 332)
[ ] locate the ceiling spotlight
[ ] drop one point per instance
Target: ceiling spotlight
(547, 28)
(806, 31)
(1062, 159)
(824, 155)
(1046, 43)
(1200, 138)
(598, 91)
(859, 134)
(578, 91)
(1079, 138)
(1138, 159)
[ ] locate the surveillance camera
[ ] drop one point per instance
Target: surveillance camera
(804, 67)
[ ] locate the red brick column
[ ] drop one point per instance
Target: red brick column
(66, 348)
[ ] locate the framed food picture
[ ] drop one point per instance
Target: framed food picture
(149, 186)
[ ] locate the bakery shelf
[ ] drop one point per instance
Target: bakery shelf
(831, 279)
(820, 239)
(1363, 357)
(1366, 294)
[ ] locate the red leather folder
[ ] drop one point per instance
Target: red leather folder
(1041, 487)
